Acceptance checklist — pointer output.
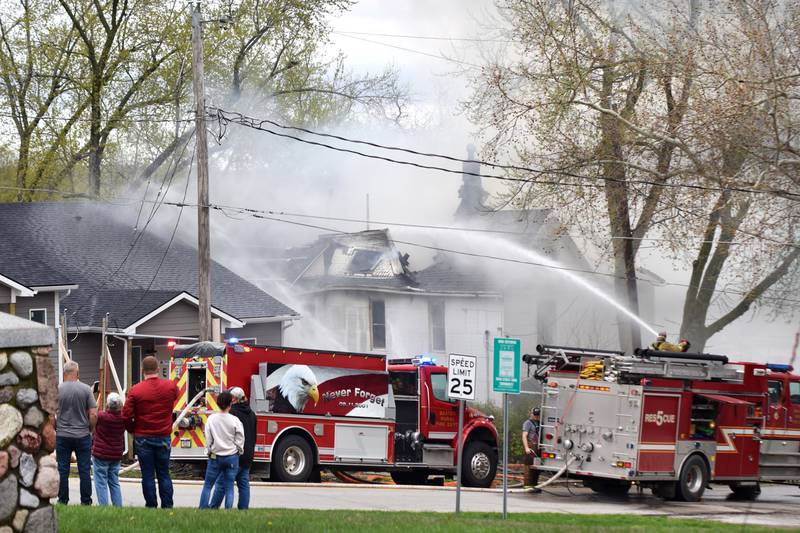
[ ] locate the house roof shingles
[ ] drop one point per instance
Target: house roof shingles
(84, 243)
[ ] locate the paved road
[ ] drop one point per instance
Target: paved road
(778, 505)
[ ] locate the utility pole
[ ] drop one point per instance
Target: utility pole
(203, 232)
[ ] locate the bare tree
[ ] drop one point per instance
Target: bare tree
(639, 119)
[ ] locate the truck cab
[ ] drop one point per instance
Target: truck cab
(427, 427)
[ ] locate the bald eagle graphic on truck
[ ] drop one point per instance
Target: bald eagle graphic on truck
(322, 390)
(296, 387)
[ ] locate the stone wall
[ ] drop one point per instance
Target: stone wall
(28, 470)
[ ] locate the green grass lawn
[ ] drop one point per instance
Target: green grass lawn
(107, 519)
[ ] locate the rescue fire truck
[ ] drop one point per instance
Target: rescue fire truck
(332, 410)
(673, 422)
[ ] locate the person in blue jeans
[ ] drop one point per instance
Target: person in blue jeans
(241, 410)
(148, 415)
(107, 450)
(153, 454)
(224, 443)
(75, 421)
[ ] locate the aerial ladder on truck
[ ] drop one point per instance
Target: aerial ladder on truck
(670, 421)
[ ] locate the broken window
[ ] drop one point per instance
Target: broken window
(436, 313)
(364, 261)
(378, 321)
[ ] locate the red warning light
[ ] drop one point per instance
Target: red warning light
(171, 344)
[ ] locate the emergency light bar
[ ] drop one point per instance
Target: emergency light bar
(780, 367)
(233, 340)
(420, 360)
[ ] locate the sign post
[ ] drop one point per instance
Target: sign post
(461, 371)
(506, 380)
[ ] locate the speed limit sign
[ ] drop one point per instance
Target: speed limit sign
(461, 373)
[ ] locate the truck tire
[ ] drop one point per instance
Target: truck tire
(292, 460)
(479, 464)
(410, 477)
(693, 479)
(746, 492)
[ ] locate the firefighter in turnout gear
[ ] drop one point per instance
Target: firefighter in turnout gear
(662, 345)
(530, 441)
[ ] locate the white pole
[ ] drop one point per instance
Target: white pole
(460, 451)
(505, 456)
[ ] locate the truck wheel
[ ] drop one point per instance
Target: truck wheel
(479, 464)
(693, 480)
(292, 460)
(746, 492)
(410, 477)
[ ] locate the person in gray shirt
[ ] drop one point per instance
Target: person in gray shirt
(75, 421)
(530, 441)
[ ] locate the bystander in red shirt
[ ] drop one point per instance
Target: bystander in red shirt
(148, 409)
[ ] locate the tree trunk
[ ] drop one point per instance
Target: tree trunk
(95, 141)
(619, 219)
(22, 166)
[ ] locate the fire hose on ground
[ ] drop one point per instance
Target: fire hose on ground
(180, 417)
(555, 476)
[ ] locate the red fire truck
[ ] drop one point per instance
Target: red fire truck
(673, 422)
(341, 411)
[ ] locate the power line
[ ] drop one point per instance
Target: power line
(424, 37)
(411, 50)
(268, 215)
(233, 117)
(508, 260)
(171, 238)
(274, 212)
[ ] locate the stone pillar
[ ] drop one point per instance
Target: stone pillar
(28, 403)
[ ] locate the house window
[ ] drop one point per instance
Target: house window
(436, 313)
(136, 364)
(545, 321)
(364, 261)
(38, 315)
(378, 320)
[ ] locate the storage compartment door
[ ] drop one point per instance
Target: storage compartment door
(659, 433)
(361, 443)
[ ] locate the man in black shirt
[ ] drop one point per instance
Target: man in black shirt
(241, 410)
(530, 441)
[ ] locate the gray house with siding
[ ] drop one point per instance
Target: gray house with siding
(72, 264)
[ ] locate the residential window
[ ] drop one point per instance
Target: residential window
(136, 364)
(38, 315)
(364, 261)
(436, 313)
(546, 321)
(378, 319)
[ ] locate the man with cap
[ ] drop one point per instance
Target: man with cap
(241, 410)
(530, 441)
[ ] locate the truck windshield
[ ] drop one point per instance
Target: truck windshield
(404, 383)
